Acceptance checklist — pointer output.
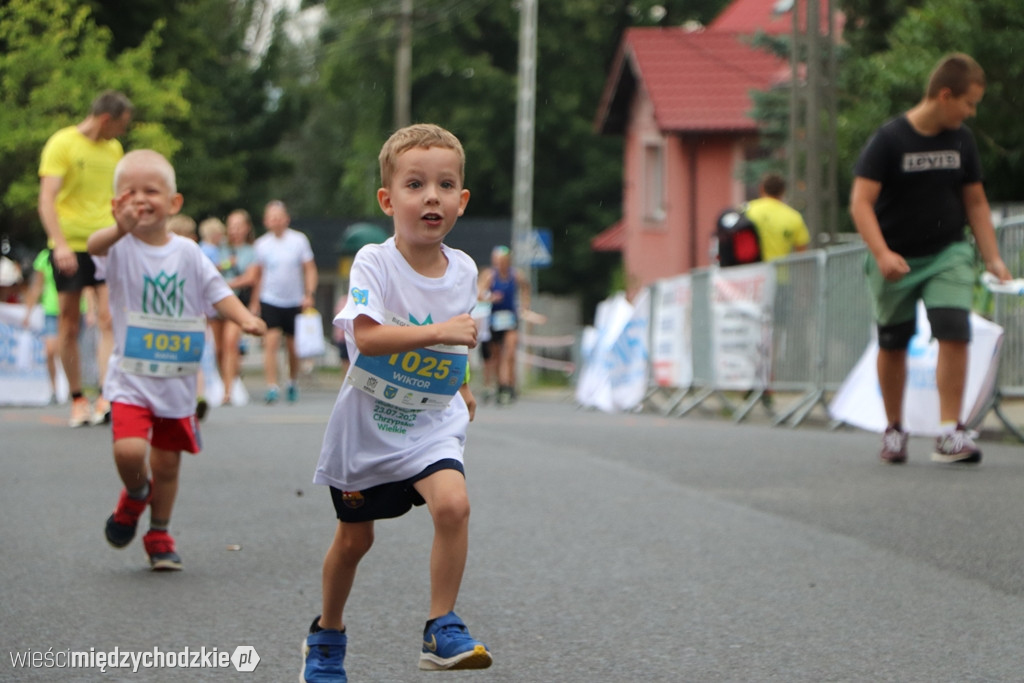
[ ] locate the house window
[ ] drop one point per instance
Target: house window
(654, 181)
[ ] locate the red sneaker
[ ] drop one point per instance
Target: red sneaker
(121, 525)
(160, 548)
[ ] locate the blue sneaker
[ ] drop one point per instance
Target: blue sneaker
(272, 395)
(448, 645)
(292, 393)
(323, 654)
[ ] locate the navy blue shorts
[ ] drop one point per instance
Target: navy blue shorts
(386, 501)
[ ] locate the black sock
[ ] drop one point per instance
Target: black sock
(75, 395)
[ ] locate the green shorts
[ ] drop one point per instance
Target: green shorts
(942, 280)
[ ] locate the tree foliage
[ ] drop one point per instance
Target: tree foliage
(48, 83)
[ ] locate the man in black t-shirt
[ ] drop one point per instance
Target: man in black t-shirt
(917, 182)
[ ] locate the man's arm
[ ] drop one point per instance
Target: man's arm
(979, 216)
(862, 209)
(64, 258)
(257, 282)
(311, 278)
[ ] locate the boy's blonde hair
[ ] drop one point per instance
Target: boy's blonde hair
(151, 158)
(182, 224)
(955, 71)
(210, 227)
(424, 135)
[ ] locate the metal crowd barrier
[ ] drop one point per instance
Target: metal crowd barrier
(822, 323)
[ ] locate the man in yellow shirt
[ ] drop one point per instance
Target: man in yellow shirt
(780, 227)
(76, 186)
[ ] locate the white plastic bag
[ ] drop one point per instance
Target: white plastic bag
(309, 334)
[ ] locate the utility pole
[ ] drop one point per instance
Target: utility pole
(403, 67)
(526, 105)
(813, 162)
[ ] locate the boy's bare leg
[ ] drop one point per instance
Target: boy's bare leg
(446, 497)
(130, 459)
(892, 377)
(165, 466)
(950, 378)
(351, 542)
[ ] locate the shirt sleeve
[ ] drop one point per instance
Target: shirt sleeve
(365, 290)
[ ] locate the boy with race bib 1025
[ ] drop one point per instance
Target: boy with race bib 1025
(160, 287)
(396, 434)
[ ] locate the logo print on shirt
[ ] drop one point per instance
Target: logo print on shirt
(361, 297)
(931, 161)
(163, 295)
(414, 321)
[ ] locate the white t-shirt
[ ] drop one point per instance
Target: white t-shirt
(174, 280)
(370, 442)
(282, 259)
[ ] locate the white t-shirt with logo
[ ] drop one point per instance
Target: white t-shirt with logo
(368, 441)
(282, 259)
(173, 281)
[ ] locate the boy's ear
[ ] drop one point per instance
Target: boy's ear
(384, 200)
(463, 200)
(176, 203)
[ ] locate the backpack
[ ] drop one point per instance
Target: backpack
(738, 241)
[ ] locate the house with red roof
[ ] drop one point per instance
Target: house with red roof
(681, 99)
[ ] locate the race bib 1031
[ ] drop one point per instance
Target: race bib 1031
(163, 347)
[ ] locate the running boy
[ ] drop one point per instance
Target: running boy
(396, 435)
(160, 287)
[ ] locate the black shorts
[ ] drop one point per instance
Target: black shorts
(283, 318)
(84, 277)
(386, 501)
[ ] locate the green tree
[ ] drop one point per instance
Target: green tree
(53, 61)
(242, 105)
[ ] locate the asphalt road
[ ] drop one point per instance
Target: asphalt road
(603, 548)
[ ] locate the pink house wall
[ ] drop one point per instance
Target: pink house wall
(700, 180)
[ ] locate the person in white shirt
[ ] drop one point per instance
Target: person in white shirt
(161, 286)
(396, 434)
(286, 281)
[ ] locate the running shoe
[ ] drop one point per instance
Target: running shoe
(79, 412)
(273, 393)
(121, 525)
(448, 645)
(100, 412)
(160, 548)
(956, 447)
(323, 656)
(894, 446)
(292, 393)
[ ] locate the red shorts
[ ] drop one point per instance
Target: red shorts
(167, 433)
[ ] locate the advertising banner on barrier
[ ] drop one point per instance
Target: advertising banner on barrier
(671, 348)
(24, 380)
(858, 401)
(742, 303)
(614, 373)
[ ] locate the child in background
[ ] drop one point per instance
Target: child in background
(160, 289)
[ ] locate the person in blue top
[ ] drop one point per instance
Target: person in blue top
(508, 292)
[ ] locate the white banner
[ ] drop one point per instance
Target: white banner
(614, 373)
(859, 400)
(24, 380)
(671, 347)
(742, 303)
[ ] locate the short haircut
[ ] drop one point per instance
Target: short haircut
(276, 204)
(182, 224)
(210, 227)
(424, 135)
(111, 102)
(956, 71)
(147, 157)
(774, 185)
